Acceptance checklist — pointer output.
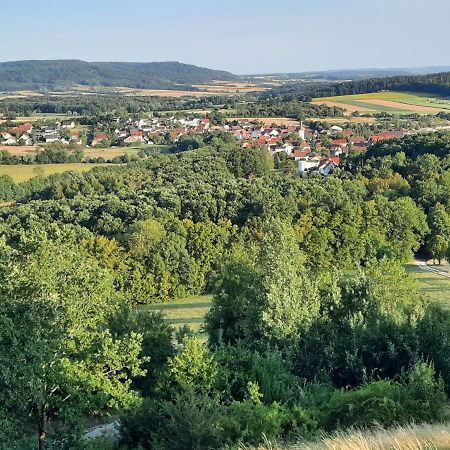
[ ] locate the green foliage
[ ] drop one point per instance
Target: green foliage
(54, 312)
(419, 398)
(271, 302)
(193, 368)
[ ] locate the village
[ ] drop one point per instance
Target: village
(310, 148)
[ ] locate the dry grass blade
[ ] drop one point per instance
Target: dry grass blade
(410, 437)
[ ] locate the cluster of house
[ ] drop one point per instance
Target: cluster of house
(304, 145)
(26, 134)
(144, 131)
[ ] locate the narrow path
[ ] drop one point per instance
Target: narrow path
(424, 266)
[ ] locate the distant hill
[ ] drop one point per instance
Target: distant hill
(64, 74)
(435, 83)
(355, 74)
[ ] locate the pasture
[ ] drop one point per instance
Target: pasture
(189, 311)
(20, 173)
(433, 285)
(391, 102)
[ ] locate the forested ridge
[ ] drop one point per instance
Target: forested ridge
(64, 74)
(436, 83)
(314, 327)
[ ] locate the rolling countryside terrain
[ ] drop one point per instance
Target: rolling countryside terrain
(391, 102)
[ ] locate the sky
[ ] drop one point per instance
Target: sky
(241, 36)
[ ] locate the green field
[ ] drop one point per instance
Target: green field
(392, 102)
(435, 286)
(21, 173)
(188, 311)
(191, 311)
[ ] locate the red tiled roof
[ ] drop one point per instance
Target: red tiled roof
(301, 153)
(335, 159)
(339, 142)
(21, 128)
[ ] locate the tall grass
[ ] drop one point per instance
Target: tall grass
(410, 437)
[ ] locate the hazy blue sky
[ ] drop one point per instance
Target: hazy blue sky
(238, 35)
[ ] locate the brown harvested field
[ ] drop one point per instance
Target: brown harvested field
(20, 94)
(20, 150)
(346, 119)
(223, 87)
(268, 120)
(405, 106)
(348, 108)
(108, 153)
(169, 93)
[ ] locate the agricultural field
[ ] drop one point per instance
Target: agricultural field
(268, 120)
(391, 102)
(20, 173)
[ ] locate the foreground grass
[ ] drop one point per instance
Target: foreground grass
(435, 286)
(21, 172)
(410, 437)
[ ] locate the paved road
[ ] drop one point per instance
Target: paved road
(424, 266)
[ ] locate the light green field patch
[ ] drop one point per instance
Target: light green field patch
(435, 286)
(20, 173)
(189, 311)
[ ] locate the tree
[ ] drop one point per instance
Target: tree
(439, 240)
(55, 309)
(270, 302)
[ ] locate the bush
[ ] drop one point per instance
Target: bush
(419, 397)
(238, 367)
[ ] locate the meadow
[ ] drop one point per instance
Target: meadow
(20, 173)
(435, 286)
(392, 102)
(191, 311)
(188, 311)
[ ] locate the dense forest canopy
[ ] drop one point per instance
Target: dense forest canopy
(64, 74)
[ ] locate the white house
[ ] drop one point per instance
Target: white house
(306, 165)
(68, 124)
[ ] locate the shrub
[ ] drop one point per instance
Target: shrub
(419, 397)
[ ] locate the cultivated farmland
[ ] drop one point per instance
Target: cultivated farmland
(392, 102)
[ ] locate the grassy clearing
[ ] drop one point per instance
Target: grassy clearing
(188, 311)
(409, 437)
(435, 286)
(191, 311)
(20, 173)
